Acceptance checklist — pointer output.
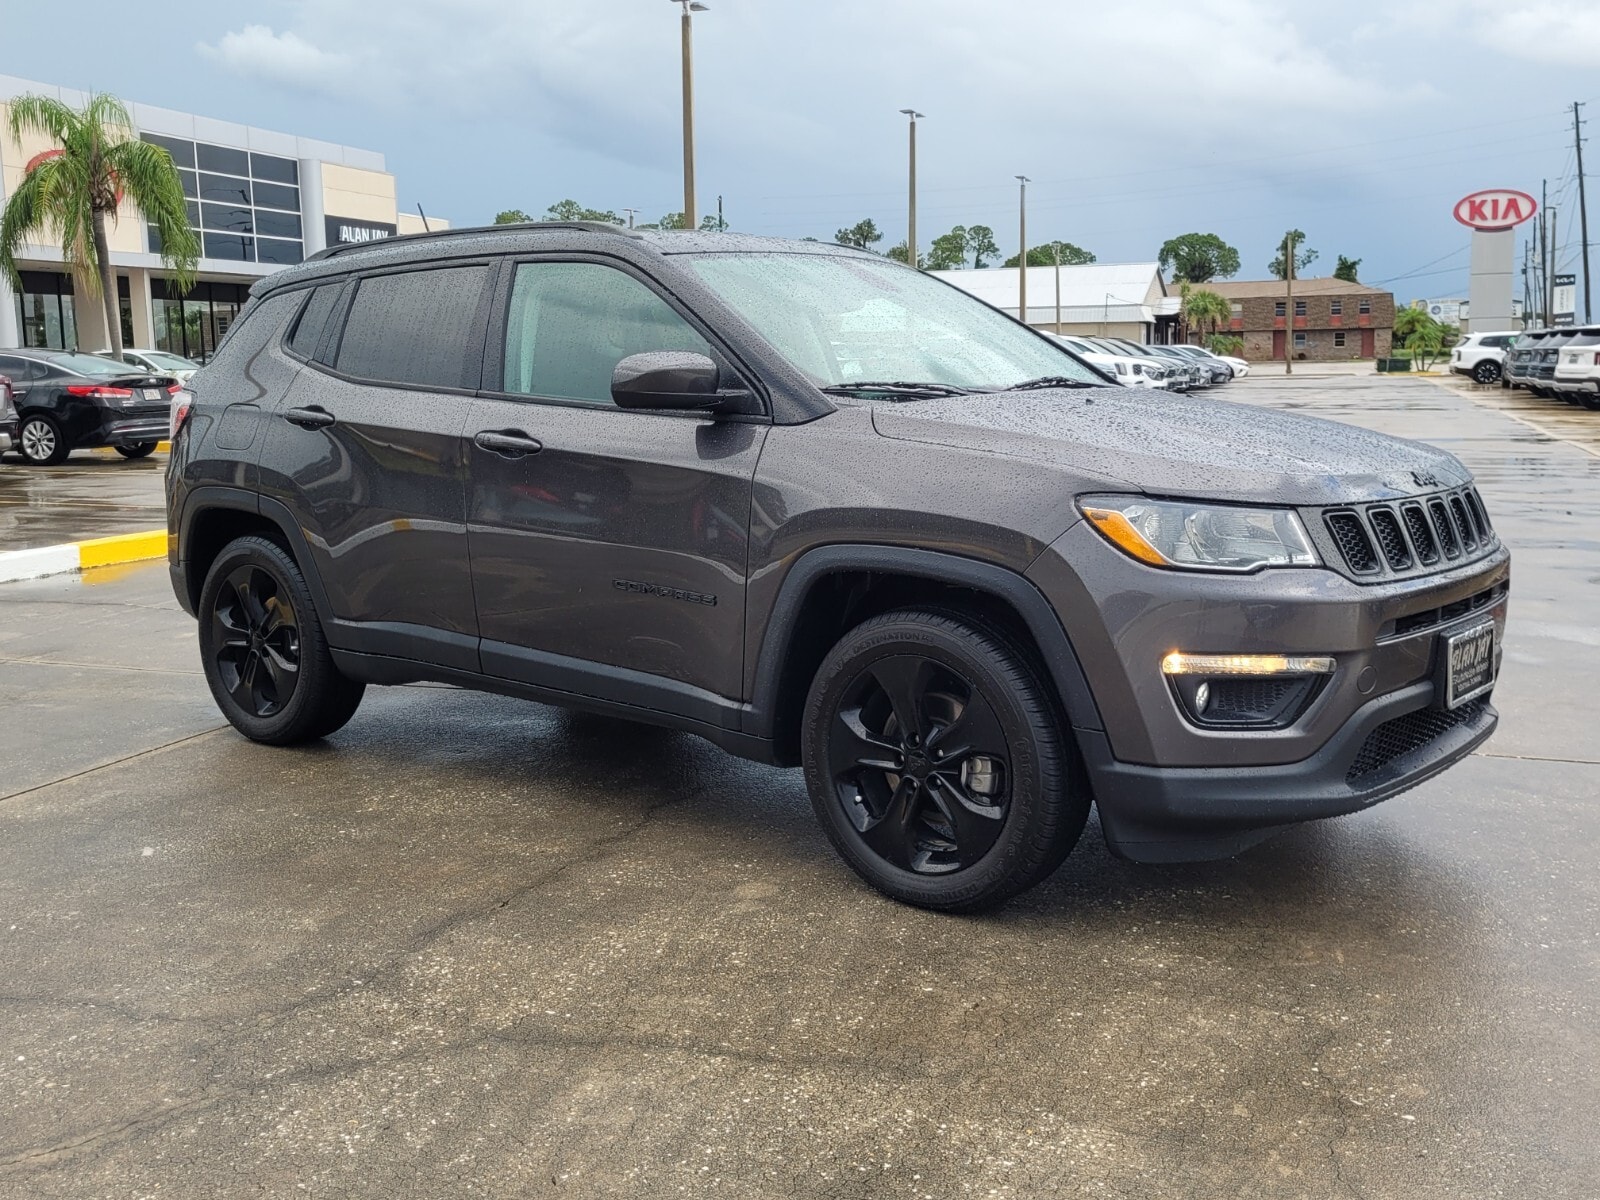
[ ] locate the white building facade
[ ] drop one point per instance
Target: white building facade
(1126, 300)
(258, 201)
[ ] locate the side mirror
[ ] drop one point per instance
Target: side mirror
(672, 379)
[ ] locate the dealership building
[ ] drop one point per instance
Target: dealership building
(1128, 300)
(258, 201)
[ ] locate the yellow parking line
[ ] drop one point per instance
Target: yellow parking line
(124, 548)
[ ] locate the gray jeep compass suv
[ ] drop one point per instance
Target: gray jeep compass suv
(826, 511)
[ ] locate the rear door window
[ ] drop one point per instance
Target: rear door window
(417, 328)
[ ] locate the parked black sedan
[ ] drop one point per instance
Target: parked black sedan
(68, 401)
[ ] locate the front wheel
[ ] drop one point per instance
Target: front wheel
(936, 763)
(137, 450)
(263, 650)
(1488, 371)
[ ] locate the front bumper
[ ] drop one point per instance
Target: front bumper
(1171, 790)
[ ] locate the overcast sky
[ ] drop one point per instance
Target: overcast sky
(1359, 124)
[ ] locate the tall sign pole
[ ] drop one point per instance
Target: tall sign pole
(1022, 259)
(1583, 210)
(1493, 216)
(911, 200)
(689, 219)
(1288, 303)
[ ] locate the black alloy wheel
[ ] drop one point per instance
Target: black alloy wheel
(919, 765)
(1488, 371)
(1590, 400)
(935, 762)
(263, 650)
(137, 450)
(41, 442)
(256, 640)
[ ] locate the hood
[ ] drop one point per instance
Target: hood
(1163, 444)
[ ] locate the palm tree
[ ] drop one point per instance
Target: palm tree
(1203, 308)
(72, 190)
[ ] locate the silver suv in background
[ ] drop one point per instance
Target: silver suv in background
(1577, 375)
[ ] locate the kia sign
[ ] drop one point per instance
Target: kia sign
(1496, 209)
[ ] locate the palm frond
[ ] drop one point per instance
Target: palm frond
(42, 115)
(150, 182)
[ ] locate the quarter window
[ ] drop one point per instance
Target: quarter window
(313, 318)
(416, 327)
(570, 324)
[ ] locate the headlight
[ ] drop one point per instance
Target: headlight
(1200, 537)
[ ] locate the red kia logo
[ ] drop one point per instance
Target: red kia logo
(1495, 209)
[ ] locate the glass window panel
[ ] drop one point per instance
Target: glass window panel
(181, 149)
(273, 195)
(191, 183)
(276, 224)
(313, 318)
(270, 166)
(277, 250)
(222, 158)
(571, 323)
(417, 327)
(155, 238)
(193, 208)
(223, 245)
(224, 190)
(221, 216)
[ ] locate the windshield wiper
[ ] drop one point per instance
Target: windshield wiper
(1051, 381)
(894, 388)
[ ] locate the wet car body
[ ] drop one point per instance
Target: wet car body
(983, 494)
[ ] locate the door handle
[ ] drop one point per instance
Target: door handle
(508, 443)
(309, 418)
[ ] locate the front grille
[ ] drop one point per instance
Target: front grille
(1413, 538)
(1406, 735)
(1392, 542)
(1353, 541)
(1428, 618)
(1421, 534)
(1247, 699)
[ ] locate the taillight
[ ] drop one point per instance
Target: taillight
(174, 389)
(1597, 358)
(96, 392)
(182, 402)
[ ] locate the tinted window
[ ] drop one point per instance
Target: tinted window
(268, 166)
(223, 158)
(571, 323)
(181, 149)
(88, 364)
(271, 195)
(271, 250)
(308, 330)
(220, 216)
(273, 224)
(419, 327)
(255, 327)
(224, 190)
(223, 245)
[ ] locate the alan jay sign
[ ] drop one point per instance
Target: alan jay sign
(1496, 209)
(345, 231)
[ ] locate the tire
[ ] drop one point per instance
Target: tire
(1488, 371)
(41, 442)
(958, 845)
(137, 450)
(1590, 400)
(263, 650)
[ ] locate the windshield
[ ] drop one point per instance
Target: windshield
(89, 364)
(168, 362)
(843, 319)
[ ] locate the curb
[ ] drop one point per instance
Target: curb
(82, 556)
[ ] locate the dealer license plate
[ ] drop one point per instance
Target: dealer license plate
(1469, 664)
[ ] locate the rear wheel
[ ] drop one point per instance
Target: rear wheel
(137, 450)
(41, 441)
(263, 650)
(936, 763)
(1488, 371)
(1590, 400)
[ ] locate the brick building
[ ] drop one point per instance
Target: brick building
(1333, 319)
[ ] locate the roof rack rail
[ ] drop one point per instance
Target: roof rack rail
(586, 226)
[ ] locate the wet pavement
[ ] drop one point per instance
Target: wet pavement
(95, 493)
(472, 946)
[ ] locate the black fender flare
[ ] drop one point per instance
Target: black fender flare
(210, 497)
(1060, 660)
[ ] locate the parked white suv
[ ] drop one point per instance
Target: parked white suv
(1129, 372)
(1577, 374)
(1482, 356)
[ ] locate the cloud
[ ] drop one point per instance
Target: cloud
(283, 58)
(1536, 30)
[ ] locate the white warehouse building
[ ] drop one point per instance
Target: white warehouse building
(1127, 300)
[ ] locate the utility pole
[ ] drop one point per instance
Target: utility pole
(1057, 248)
(1583, 211)
(1544, 252)
(1288, 303)
(722, 226)
(911, 207)
(1550, 275)
(689, 6)
(630, 212)
(1022, 260)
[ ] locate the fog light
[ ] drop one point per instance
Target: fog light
(1202, 697)
(1178, 663)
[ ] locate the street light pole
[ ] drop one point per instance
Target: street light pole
(1288, 303)
(1022, 259)
(631, 213)
(911, 208)
(1057, 248)
(689, 6)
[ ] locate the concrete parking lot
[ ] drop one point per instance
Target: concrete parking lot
(472, 946)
